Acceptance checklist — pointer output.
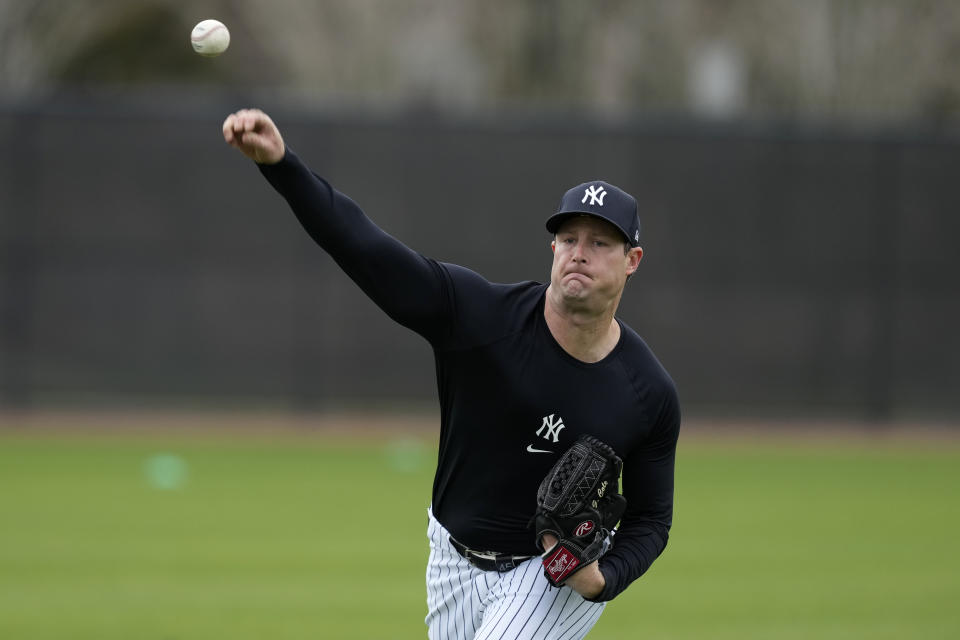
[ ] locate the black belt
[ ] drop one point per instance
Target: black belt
(488, 560)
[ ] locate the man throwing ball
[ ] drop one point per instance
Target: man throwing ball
(544, 395)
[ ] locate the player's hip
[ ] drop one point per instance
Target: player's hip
(467, 603)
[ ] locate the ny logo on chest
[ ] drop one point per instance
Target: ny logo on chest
(552, 427)
(550, 431)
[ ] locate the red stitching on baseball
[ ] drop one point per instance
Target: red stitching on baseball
(204, 36)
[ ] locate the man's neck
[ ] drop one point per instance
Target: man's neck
(587, 335)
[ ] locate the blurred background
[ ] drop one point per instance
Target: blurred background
(188, 385)
(794, 162)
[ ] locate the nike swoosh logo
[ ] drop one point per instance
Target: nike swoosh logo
(532, 450)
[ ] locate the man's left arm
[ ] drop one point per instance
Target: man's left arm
(648, 487)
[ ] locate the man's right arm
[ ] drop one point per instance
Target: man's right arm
(407, 286)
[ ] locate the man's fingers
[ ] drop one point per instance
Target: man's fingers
(253, 139)
(228, 128)
(233, 128)
(253, 133)
(250, 119)
(244, 120)
(234, 125)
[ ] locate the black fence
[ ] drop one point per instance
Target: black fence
(787, 271)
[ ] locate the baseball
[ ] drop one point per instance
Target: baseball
(210, 38)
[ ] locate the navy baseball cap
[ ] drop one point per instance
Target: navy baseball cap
(603, 200)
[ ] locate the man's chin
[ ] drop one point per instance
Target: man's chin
(574, 290)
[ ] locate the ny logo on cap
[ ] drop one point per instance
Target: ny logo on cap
(595, 194)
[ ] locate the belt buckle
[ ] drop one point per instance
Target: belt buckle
(501, 562)
(485, 556)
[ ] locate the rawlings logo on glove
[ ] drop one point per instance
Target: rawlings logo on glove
(573, 504)
(559, 565)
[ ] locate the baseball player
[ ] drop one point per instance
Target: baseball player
(523, 371)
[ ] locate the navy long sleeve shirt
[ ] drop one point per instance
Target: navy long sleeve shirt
(511, 399)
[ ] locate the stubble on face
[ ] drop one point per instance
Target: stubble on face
(588, 254)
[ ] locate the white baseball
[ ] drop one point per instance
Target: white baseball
(210, 38)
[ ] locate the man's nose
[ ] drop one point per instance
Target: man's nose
(579, 253)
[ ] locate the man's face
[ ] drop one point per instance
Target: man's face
(589, 260)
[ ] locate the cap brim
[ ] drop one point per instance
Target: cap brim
(556, 220)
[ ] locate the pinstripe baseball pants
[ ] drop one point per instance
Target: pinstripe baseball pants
(466, 603)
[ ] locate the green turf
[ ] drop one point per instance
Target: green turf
(304, 537)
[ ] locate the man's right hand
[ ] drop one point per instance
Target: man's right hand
(255, 135)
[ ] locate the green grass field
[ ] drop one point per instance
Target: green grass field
(178, 536)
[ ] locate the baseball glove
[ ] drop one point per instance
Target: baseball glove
(579, 503)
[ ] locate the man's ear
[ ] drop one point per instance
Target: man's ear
(553, 246)
(633, 259)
